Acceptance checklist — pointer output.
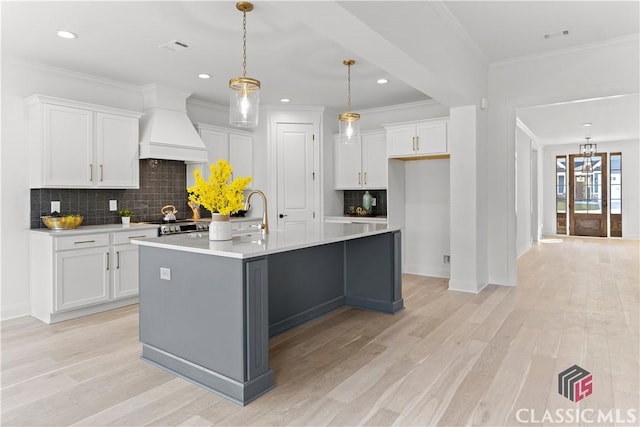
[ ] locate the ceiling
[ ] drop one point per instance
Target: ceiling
(119, 41)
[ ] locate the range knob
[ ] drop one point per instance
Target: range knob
(164, 229)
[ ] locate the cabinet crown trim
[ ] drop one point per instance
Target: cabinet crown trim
(45, 99)
(416, 122)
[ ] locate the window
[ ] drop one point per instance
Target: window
(561, 184)
(615, 183)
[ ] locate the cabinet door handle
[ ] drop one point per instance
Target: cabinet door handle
(359, 178)
(117, 260)
(84, 241)
(413, 143)
(137, 237)
(365, 178)
(417, 143)
(101, 173)
(90, 171)
(107, 254)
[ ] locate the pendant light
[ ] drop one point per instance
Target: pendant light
(588, 150)
(244, 99)
(349, 127)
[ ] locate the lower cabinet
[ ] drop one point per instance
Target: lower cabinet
(74, 275)
(82, 277)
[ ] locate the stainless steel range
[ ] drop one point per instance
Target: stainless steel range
(180, 226)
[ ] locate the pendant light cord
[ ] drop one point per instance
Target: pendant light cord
(244, 44)
(349, 88)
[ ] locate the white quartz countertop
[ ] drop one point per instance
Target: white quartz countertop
(356, 219)
(253, 245)
(88, 229)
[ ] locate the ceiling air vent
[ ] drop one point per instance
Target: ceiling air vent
(175, 46)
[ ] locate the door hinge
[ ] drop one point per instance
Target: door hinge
(313, 175)
(314, 215)
(313, 136)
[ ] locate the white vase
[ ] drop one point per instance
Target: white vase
(220, 227)
(126, 220)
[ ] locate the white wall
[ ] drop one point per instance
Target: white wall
(523, 191)
(588, 72)
(426, 238)
(20, 80)
(630, 183)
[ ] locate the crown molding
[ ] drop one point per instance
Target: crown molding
(74, 74)
(454, 25)
(565, 51)
(206, 104)
(525, 129)
(396, 107)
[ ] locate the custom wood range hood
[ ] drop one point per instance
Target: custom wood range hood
(165, 130)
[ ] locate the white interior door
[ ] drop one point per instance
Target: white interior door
(295, 154)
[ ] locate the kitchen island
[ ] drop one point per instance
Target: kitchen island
(208, 308)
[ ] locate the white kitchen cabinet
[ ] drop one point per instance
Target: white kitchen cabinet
(75, 273)
(82, 277)
(417, 139)
(124, 267)
(235, 146)
(79, 145)
(362, 164)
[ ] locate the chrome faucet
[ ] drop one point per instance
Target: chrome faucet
(265, 221)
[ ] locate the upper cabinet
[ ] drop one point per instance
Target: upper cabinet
(79, 145)
(362, 164)
(235, 146)
(417, 139)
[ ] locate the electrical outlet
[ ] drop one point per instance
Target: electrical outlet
(113, 205)
(446, 259)
(373, 201)
(55, 206)
(165, 273)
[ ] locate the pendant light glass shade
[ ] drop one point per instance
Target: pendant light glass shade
(349, 122)
(244, 100)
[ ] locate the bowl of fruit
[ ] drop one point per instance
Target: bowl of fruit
(57, 221)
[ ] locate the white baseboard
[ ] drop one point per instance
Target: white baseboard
(467, 287)
(427, 270)
(13, 311)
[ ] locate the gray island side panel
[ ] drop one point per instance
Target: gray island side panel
(304, 284)
(198, 315)
(373, 272)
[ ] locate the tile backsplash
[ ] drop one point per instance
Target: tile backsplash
(354, 198)
(162, 182)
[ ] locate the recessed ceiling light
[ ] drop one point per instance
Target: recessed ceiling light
(285, 100)
(382, 81)
(204, 76)
(586, 125)
(67, 34)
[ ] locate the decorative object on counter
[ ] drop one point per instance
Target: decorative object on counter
(245, 91)
(195, 208)
(349, 127)
(219, 197)
(169, 213)
(56, 221)
(125, 216)
(367, 201)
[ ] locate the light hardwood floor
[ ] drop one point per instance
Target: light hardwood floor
(448, 359)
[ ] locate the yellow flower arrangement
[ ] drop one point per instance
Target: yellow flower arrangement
(217, 194)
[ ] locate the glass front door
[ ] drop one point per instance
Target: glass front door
(588, 197)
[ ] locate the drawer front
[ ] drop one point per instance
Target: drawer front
(124, 237)
(81, 241)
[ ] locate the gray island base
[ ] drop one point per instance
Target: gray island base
(210, 317)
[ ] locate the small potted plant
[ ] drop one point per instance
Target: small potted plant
(126, 215)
